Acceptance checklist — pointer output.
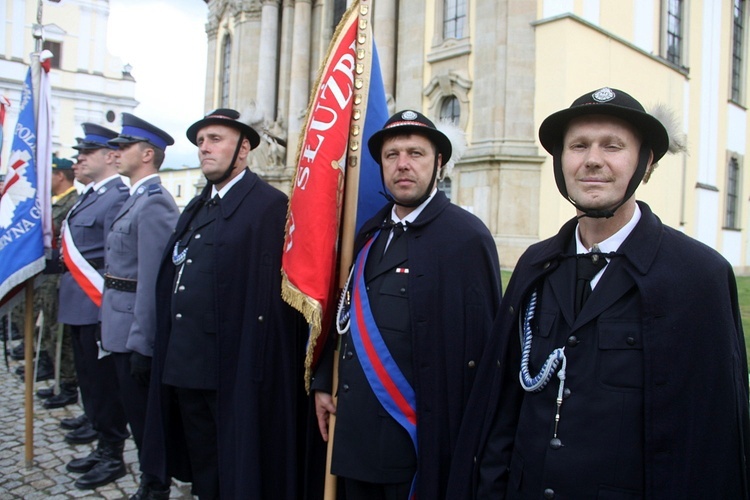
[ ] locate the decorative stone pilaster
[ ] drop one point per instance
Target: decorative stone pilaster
(299, 93)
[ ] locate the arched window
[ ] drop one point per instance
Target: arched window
(450, 109)
(226, 59)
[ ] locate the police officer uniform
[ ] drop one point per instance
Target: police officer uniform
(135, 244)
(88, 223)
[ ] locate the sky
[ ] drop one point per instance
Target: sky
(165, 43)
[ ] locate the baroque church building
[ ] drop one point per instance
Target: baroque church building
(497, 68)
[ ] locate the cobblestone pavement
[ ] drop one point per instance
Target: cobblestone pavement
(47, 478)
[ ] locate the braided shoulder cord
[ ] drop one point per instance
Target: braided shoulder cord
(343, 312)
(537, 383)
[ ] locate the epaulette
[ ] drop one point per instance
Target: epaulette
(154, 189)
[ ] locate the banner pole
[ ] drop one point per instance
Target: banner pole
(28, 336)
(30, 373)
(351, 191)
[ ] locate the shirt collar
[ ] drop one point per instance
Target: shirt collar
(140, 182)
(99, 184)
(412, 216)
(612, 243)
(62, 195)
(223, 191)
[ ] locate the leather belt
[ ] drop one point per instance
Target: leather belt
(120, 284)
(97, 263)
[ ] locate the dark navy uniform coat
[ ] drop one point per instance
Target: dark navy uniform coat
(260, 344)
(134, 249)
(657, 399)
(89, 222)
(453, 295)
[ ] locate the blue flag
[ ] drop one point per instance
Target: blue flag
(21, 231)
(370, 200)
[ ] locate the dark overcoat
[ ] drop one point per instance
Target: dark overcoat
(454, 293)
(695, 380)
(260, 345)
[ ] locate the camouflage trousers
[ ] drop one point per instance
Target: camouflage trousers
(46, 301)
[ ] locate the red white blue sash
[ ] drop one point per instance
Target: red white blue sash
(88, 278)
(383, 374)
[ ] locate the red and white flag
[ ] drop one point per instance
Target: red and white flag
(4, 104)
(44, 149)
(335, 175)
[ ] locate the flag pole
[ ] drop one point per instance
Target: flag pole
(30, 373)
(351, 191)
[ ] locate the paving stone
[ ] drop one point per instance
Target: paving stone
(47, 478)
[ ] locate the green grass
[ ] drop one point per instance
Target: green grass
(743, 290)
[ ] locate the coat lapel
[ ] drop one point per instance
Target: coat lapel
(392, 258)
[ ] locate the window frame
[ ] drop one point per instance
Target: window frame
(458, 20)
(57, 51)
(737, 64)
(225, 70)
(680, 60)
(733, 194)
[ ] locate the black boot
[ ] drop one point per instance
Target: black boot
(18, 352)
(148, 491)
(68, 396)
(84, 434)
(45, 392)
(86, 463)
(110, 467)
(74, 423)
(45, 370)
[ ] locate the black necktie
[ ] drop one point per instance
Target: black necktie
(397, 229)
(587, 266)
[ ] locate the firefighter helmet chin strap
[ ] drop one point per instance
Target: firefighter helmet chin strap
(232, 166)
(643, 157)
(421, 200)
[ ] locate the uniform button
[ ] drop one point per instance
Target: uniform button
(511, 310)
(630, 341)
(189, 261)
(546, 265)
(499, 364)
(367, 288)
(261, 319)
(566, 393)
(181, 288)
(349, 355)
(178, 316)
(573, 341)
(555, 443)
(549, 493)
(346, 387)
(198, 236)
(472, 364)
(403, 290)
